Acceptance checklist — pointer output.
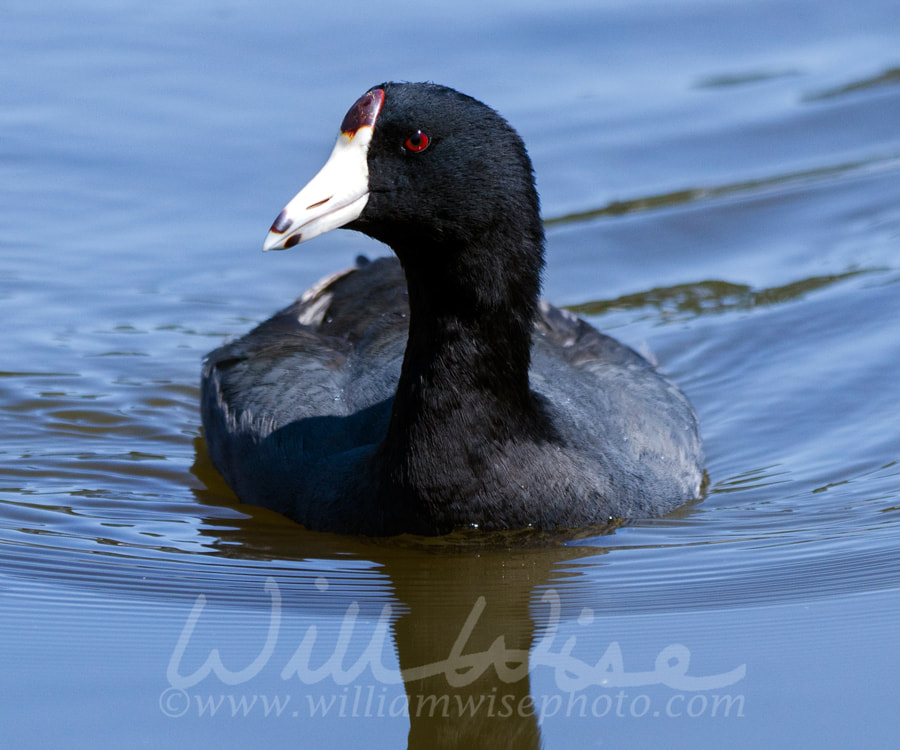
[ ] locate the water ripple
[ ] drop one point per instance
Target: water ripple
(890, 77)
(884, 162)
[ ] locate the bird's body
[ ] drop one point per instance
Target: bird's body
(437, 392)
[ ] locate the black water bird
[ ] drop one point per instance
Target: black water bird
(434, 390)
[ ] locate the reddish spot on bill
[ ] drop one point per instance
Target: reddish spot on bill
(363, 113)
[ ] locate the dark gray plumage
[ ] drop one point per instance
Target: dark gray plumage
(508, 413)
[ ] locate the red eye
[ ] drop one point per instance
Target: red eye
(417, 142)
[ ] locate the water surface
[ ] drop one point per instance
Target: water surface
(720, 186)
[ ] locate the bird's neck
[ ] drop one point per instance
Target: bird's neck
(458, 357)
(472, 313)
(464, 389)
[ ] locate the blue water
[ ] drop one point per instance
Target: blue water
(721, 186)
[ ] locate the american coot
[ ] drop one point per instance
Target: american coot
(438, 392)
